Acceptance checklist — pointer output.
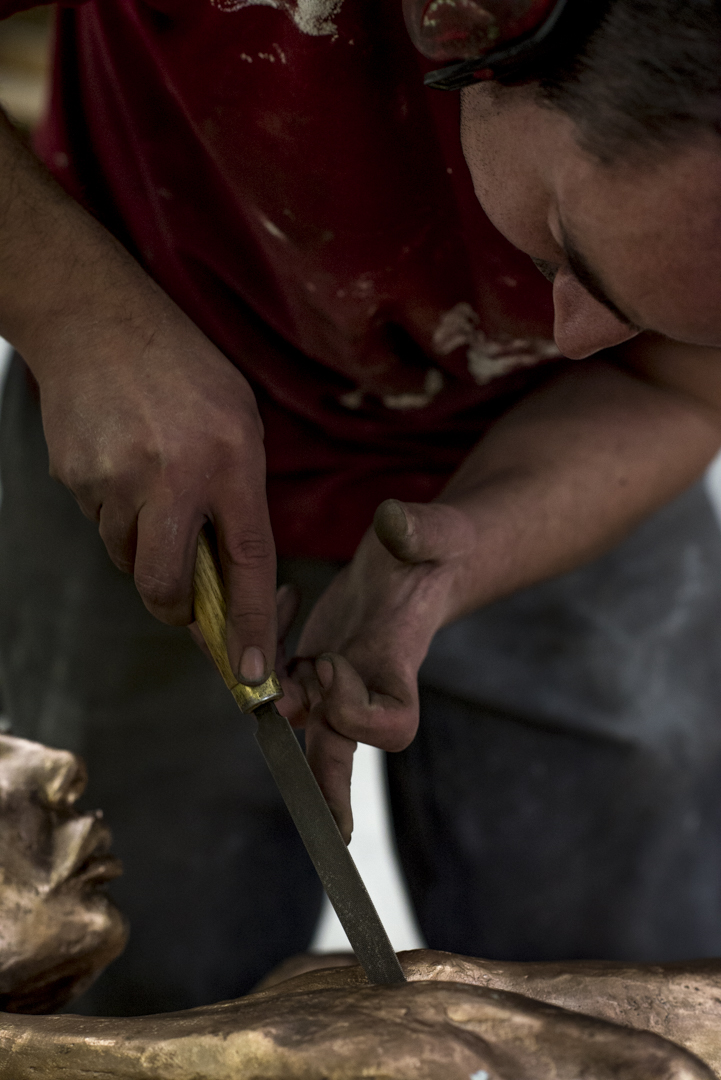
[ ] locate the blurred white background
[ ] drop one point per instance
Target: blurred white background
(373, 849)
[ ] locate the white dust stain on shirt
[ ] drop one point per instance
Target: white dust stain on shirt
(314, 17)
(488, 358)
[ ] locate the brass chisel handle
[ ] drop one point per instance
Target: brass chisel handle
(210, 614)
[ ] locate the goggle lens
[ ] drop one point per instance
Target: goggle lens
(465, 29)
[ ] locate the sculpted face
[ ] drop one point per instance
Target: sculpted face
(631, 246)
(57, 928)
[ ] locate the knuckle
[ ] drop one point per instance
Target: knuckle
(250, 549)
(119, 556)
(399, 734)
(73, 477)
(124, 564)
(347, 718)
(389, 727)
(250, 615)
(159, 590)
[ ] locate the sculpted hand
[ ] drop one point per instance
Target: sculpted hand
(368, 635)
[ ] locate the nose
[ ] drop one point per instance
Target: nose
(582, 325)
(64, 778)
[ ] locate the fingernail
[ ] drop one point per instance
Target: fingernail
(324, 671)
(252, 666)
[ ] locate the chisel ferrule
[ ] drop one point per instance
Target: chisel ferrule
(249, 698)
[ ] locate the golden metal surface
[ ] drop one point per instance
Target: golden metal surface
(249, 698)
(679, 1001)
(331, 1027)
(210, 614)
(58, 929)
(456, 1018)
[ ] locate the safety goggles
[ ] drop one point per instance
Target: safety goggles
(487, 39)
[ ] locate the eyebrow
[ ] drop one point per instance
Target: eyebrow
(591, 282)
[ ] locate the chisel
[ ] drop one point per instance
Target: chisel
(297, 785)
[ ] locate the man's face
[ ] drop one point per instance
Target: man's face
(633, 246)
(57, 928)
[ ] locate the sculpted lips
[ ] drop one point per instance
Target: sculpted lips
(82, 852)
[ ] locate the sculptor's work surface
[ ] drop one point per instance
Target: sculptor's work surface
(58, 930)
(456, 1018)
(331, 1024)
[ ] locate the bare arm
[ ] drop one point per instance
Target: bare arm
(149, 425)
(558, 480)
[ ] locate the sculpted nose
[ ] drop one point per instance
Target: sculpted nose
(64, 778)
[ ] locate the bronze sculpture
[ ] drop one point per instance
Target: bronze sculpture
(58, 929)
(457, 1018)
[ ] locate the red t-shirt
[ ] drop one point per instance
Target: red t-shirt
(280, 170)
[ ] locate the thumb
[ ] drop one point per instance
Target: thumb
(422, 532)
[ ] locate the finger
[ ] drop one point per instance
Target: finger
(247, 558)
(330, 756)
(300, 689)
(422, 532)
(197, 636)
(288, 603)
(388, 721)
(165, 560)
(293, 704)
(118, 528)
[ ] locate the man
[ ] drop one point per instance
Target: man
(287, 182)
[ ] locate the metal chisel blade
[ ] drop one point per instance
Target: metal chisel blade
(326, 847)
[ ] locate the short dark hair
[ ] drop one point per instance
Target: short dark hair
(644, 75)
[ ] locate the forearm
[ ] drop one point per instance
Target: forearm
(147, 423)
(567, 472)
(61, 272)
(557, 480)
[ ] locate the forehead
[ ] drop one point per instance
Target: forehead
(652, 231)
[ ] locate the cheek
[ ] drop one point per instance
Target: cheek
(505, 180)
(40, 933)
(25, 933)
(484, 156)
